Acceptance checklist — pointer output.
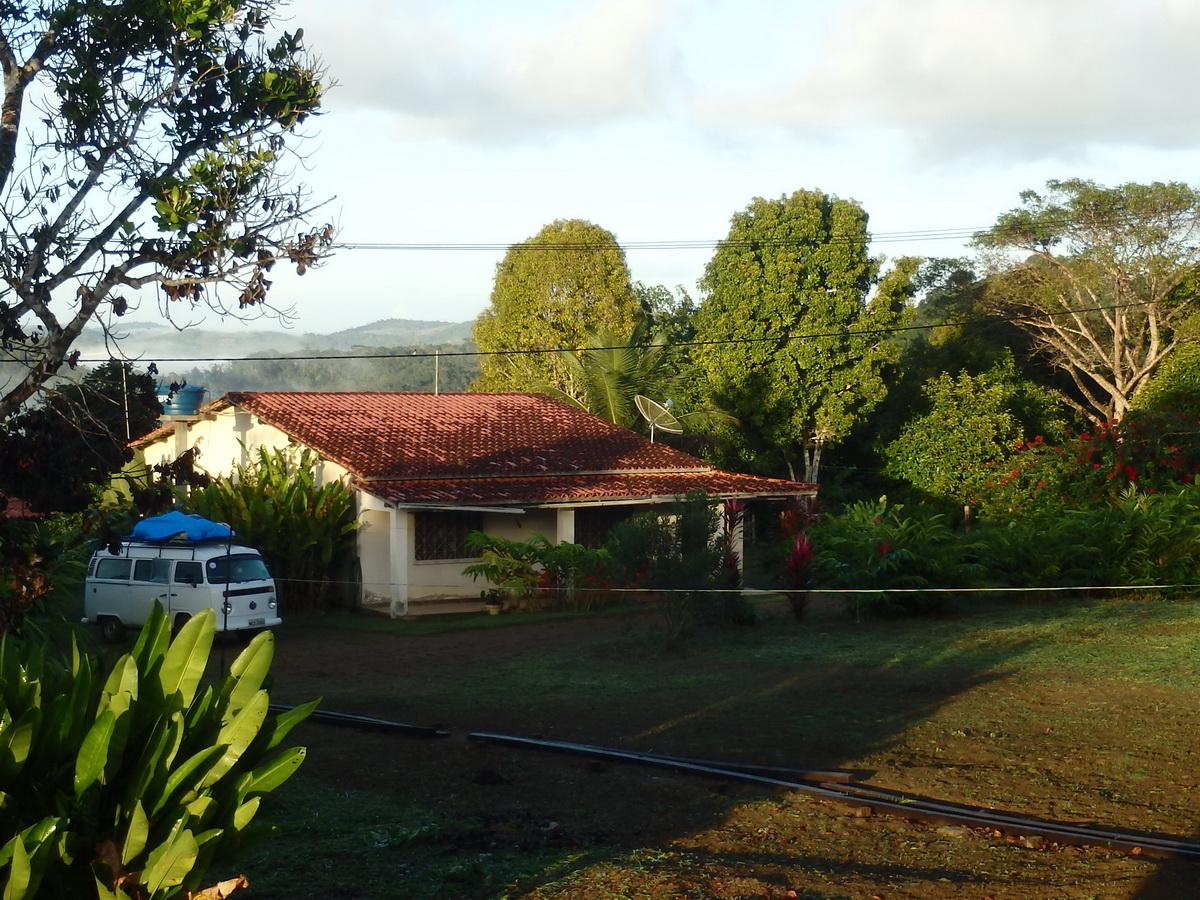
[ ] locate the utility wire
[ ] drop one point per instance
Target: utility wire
(925, 234)
(537, 351)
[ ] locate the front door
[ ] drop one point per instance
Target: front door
(188, 594)
(151, 582)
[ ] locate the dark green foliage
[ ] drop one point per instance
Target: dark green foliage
(305, 530)
(537, 574)
(682, 554)
(972, 426)
(556, 289)
(132, 785)
(879, 545)
(41, 561)
(798, 265)
(58, 456)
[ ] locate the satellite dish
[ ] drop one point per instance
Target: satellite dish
(657, 415)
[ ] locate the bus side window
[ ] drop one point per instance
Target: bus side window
(152, 570)
(188, 572)
(113, 569)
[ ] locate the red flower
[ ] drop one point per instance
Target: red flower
(1131, 473)
(884, 547)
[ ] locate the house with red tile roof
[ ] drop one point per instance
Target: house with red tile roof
(430, 468)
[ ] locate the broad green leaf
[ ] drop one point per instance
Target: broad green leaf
(250, 670)
(199, 808)
(283, 723)
(199, 709)
(19, 872)
(186, 658)
(155, 760)
(123, 679)
(93, 754)
(237, 735)
(170, 863)
(245, 813)
(104, 892)
(272, 774)
(15, 742)
(135, 837)
(190, 773)
(32, 837)
(152, 640)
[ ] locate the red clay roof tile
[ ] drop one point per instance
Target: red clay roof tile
(485, 448)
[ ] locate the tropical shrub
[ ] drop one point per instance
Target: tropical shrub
(305, 530)
(879, 545)
(130, 786)
(682, 554)
(1139, 538)
(539, 574)
(1152, 451)
(974, 423)
(511, 566)
(40, 560)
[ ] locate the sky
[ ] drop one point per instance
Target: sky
(478, 122)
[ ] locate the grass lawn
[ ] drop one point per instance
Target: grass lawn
(1079, 710)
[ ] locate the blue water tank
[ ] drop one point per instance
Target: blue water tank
(186, 402)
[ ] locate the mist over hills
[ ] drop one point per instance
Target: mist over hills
(154, 341)
(197, 355)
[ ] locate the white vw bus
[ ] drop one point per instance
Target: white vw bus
(185, 578)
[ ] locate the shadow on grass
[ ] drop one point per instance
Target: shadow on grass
(483, 820)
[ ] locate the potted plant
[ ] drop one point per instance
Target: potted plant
(493, 601)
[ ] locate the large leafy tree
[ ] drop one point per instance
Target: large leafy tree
(789, 325)
(1100, 279)
(552, 291)
(971, 426)
(142, 144)
(58, 454)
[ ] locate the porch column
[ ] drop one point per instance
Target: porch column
(400, 542)
(565, 532)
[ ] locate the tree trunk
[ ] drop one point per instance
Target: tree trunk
(812, 460)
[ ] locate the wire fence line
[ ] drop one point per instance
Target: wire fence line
(1078, 588)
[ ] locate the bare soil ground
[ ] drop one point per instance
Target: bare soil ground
(1062, 718)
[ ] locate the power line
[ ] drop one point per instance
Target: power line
(539, 351)
(923, 234)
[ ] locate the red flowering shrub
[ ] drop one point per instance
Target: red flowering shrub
(1154, 451)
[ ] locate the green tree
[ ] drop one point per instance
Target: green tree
(973, 424)
(795, 296)
(57, 455)
(143, 144)
(1101, 278)
(553, 290)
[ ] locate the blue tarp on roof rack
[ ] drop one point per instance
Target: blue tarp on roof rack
(180, 526)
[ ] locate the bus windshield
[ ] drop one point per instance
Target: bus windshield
(236, 567)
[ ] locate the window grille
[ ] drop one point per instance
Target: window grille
(443, 535)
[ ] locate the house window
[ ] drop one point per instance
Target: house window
(592, 525)
(443, 535)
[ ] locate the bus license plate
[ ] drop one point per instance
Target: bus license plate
(254, 623)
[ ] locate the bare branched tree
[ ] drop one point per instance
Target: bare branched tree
(1102, 279)
(143, 144)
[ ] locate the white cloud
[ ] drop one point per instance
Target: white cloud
(1024, 77)
(448, 72)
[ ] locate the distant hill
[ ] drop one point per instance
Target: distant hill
(156, 341)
